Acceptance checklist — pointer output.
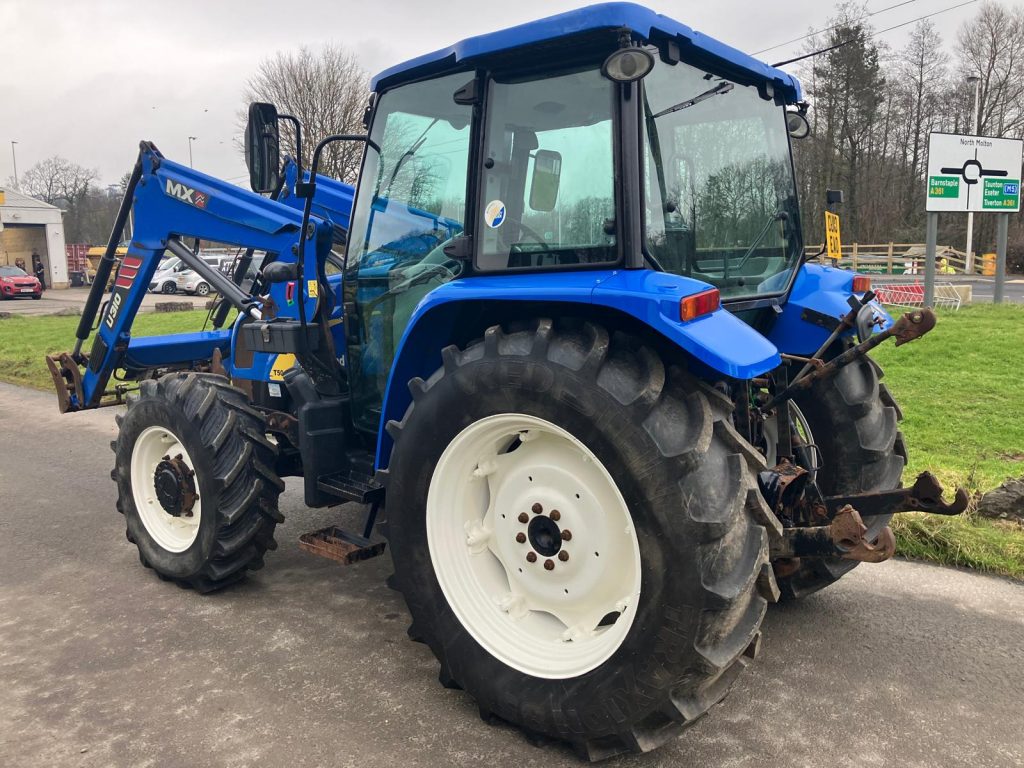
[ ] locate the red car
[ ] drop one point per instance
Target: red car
(15, 282)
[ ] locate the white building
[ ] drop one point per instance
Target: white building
(29, 226)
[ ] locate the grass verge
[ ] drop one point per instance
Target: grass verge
(960, 390)
(24, 341)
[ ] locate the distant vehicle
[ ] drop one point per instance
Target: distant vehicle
(15, 283)
(176, 277)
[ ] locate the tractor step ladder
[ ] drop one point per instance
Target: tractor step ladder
(340, 545)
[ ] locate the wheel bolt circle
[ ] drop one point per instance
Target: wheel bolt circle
(537, 509)
(566, 535)
(549, 565)
(521, 537)
(555, 515)
(523, 517)
(531, 557)
(563, 555)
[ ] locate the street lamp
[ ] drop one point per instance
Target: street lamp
(14, 159)
(190, 140)
(969, 261)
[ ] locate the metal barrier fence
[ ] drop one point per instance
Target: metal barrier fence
(912, 295)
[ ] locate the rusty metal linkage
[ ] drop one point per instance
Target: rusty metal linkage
(913, 325)
(335, 544)
(844, 537)
(925, 495)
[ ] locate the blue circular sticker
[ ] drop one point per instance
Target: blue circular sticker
(494, 214)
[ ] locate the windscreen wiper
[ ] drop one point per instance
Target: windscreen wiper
(412, 150)
(719, 90)
(777, 216)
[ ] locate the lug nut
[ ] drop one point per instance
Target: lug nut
(566, 535)
(521, 538)
(523, 517)
(537, 509)
(563, 555)
(555, 515)
(531, 557)
(549, 565)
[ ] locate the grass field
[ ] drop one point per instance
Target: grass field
(25, 340)
(960, 388)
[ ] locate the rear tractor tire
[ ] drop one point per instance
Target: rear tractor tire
(578, 534)
(855, 423)
(195, 480)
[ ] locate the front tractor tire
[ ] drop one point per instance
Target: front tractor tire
(855, 424)
(195, 480)
(577, 531)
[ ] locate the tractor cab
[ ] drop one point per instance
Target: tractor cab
(602, 139)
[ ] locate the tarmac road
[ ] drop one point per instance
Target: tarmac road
(308, 664)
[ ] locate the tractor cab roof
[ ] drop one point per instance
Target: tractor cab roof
(694, 47)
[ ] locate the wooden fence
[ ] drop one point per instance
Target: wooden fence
(905, 258)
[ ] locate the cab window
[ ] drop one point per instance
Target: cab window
(547, 196)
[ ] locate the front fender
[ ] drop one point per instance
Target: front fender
(822, 290)
(719, 340)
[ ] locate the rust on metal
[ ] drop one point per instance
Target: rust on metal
(913, 325)
(925, 495)
(844, 537)
(336, 544)
(67, 380)
(283, 424)
(185, 477)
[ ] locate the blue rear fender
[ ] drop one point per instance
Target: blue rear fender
(820, 289)
(718, 341)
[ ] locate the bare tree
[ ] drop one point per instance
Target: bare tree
(327, 91)
(60, 182)
(991, 45)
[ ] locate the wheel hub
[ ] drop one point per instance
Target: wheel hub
(545, 536)
(175, 487)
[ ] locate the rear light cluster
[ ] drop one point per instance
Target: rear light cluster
(861, 283)
(703, 303)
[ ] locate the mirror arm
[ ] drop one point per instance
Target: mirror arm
(298, 145)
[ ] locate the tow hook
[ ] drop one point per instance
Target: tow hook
(833, 526)
(844, 537)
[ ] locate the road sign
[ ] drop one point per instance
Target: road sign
(833, 243)
(973, 173)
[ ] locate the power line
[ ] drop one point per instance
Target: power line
(873, 34)
(834, 26)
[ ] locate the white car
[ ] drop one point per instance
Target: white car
(174, 276)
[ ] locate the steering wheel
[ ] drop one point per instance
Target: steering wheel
(537, 239)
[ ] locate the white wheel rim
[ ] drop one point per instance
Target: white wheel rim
(170, 532)
(544, 623)
(771, 433)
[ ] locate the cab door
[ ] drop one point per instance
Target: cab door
(411, 202)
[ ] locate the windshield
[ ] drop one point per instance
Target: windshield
(720, 194)
(12, 272)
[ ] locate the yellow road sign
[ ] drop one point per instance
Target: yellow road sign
(833, 242)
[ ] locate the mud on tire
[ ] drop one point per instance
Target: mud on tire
(855, 422)
(233, 462)
(689, 482)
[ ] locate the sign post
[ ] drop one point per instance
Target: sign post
(979, 174)
(1002, 225)
(931, 235)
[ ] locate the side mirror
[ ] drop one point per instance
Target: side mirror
(547, 173)
(797, 125)
(263, 147)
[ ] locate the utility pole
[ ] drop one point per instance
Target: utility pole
(190, 140)
(975, 80)
(14, 159)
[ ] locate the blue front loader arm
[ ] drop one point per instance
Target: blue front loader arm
(174, 201)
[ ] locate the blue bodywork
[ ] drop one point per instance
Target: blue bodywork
(697, 48)
(821, 289)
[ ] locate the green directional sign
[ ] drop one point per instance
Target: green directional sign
(1000, 194)
(943, 186)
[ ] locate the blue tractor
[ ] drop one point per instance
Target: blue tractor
(562, 342)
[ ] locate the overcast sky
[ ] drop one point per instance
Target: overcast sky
(87, 79)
